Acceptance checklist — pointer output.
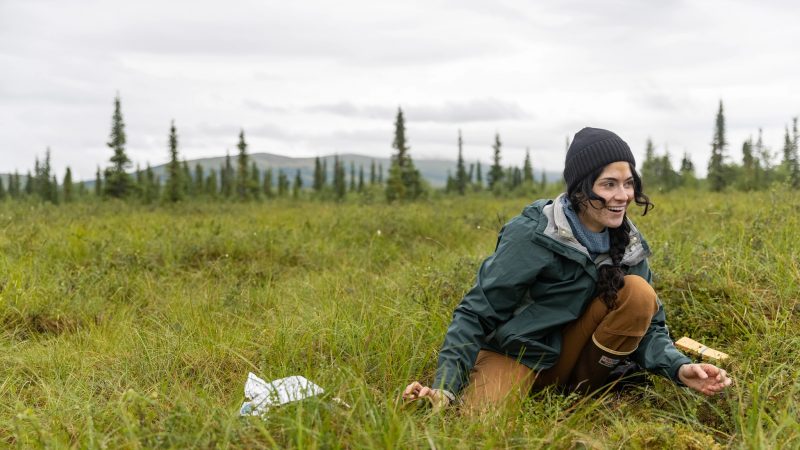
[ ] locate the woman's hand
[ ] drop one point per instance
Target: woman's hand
(707, 379)
(416, 391)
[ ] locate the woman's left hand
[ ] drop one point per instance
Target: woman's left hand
(707, 379)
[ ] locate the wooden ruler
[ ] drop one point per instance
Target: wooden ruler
(691, 346)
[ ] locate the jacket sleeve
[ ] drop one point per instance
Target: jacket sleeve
(502, 281)
(656, 352)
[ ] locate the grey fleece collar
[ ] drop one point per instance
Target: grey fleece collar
(559, 230)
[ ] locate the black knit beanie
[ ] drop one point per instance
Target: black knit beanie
(591, 149)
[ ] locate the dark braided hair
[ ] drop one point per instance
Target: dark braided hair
(611, 277)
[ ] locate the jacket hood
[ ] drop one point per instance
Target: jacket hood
(553, 231)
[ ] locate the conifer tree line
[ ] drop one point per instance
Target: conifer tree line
(499, 180)
(242, 180)
(758, 170)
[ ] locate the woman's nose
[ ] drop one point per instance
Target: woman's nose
(623, 193)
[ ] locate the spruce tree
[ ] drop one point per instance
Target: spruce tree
(790, 168)
(29, 184)
(717, 179)
(37, 173)
(380, 173)
(283, 183)
(81, 190)
(199, 187)
(42, 184)
(786, 162)
(794, 168)
(317, 184)
(14, 187)
(228, 177)
(223, 180)
(151, 187)
(17, 184)
(298, 184)
(543, 181)
(461, 172)
(478, 176)
(174, 189)
(765, 159)
(242, 175)
(748, 180)
(54, 190)
(373, 177)
(649, 164)
(339, 182)
(211, 184)
(41, 180)
(98, 183)
(117, 182)
(267, 183)
(527, 169)
(254, 185)
(687, 175)
(139, 181)
(404, 180)
(496, 171)
(360, 178)
(67, 186)
(516, 177)
(667, 177)
(3, 194)
(352, 176)
(186, 179)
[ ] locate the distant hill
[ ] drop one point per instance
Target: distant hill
(434, 171)
(23, 178)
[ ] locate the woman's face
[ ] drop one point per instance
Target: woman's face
(615, 186)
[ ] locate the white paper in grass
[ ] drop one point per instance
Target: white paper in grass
(264, 395)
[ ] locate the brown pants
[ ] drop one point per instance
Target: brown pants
(497, 378)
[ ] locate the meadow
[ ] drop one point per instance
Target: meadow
(129, 326)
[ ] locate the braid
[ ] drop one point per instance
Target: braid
(611, 277)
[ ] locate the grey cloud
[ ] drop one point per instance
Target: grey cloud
(348, 109)
(375, 35)
(263, 107)
(217, 129)
(471, 111)
(271, 131)
(660, 101)
(263, 130)
(450, 112)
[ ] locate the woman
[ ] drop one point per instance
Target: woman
(566, 295)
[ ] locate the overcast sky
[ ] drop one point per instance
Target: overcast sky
(317, 77)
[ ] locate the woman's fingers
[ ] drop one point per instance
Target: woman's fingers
(700, 371)
(413, 390)
(416, 390)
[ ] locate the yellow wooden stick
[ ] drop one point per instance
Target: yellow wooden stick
(709, 354)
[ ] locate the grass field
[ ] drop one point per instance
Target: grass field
(127, 326)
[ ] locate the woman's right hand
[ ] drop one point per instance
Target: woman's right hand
(416, 391)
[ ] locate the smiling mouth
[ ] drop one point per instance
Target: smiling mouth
(616, 209)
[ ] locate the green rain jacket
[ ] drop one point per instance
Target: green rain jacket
(539, 279)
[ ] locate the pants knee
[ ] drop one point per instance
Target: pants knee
(638, 299)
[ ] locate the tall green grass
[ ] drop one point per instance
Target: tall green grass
(135, 327)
